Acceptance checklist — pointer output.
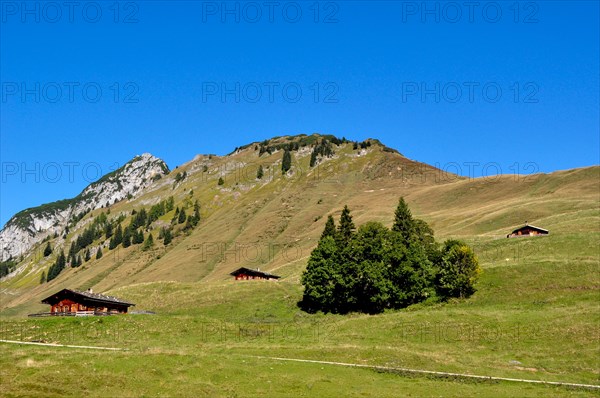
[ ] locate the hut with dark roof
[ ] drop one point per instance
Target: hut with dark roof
(69, 302)
(528, 230)
(249, 273)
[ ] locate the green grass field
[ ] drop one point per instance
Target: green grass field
(536, 314)
(532, 318)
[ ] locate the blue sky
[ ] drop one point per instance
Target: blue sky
(84, 89)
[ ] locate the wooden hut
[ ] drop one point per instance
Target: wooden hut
(248, 273)
(528, 230)
(69, 302)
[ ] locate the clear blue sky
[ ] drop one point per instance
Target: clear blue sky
(85, 89)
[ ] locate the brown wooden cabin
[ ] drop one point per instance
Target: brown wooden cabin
(248, 273)
(528, 230)
(73, 302)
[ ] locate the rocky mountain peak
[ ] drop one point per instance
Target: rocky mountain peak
(32, 225)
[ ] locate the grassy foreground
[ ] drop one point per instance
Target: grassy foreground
(218, 372)
(535, 316)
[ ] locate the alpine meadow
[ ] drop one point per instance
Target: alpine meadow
(389, 265)
(291, 198)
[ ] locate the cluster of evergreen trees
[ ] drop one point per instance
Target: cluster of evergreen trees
(74, 258)
(94, 231)
(376, 268)
(190, 220)
(270, 148)
(6, 267)
(57, 267)
(78, 217)
(322, 149)
(160, 209)
(166, 235)
(133, 234)
(180, 176)
(298, 142)
(361, 145)
(113, 231)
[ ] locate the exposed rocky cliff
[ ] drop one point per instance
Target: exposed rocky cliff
(31, 226)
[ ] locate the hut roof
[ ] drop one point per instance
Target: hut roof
(86, 296)
(531, 227)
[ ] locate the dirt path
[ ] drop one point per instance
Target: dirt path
(63, 345)
(434, 373)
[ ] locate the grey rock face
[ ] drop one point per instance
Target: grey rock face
(30, 226)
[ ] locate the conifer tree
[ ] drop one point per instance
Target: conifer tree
(126, 238)
(72, 249)
(313, 158)
(175, 218)
(168, 237)
(43, 277)
(118, 235)
(346, 228)
(99, 253)
(320, 279)
(329, 228)
(170, 204)
(182, 217)
(138, 237)
(148, 243)
(47, 250)
(87, 256)
(404, 223)
(75, 260)
(108, 230)
(196, 217)
(189, 223)
(286, 163)
(61, 261)
(260, 173)
(57, 267)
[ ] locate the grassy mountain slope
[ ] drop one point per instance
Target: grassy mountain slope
(535, 314)
(269, 223)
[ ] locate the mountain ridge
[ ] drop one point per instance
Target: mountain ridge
(274, 222)
(26, 227)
